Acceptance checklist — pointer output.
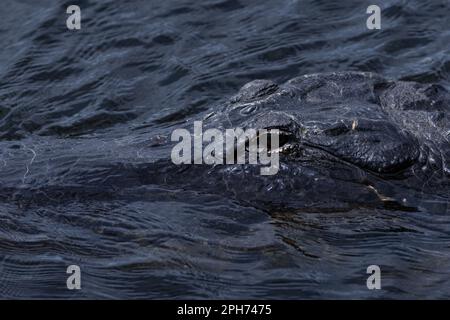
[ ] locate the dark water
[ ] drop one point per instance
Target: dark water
(80, 107)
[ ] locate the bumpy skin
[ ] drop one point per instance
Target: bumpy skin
(353, 139)
(359, 118)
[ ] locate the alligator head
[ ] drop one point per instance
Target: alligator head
(344, 138)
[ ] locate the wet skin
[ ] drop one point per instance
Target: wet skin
(346, 140)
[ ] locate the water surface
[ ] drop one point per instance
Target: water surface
(74, 104)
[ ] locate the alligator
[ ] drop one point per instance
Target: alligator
(346, 140)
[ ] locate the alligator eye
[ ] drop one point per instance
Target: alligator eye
(284, 139)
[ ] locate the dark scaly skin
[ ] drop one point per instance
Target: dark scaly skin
(354, 139)
(351, 140)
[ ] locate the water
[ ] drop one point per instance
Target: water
(80, 107)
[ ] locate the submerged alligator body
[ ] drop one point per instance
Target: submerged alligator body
(348, 139)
